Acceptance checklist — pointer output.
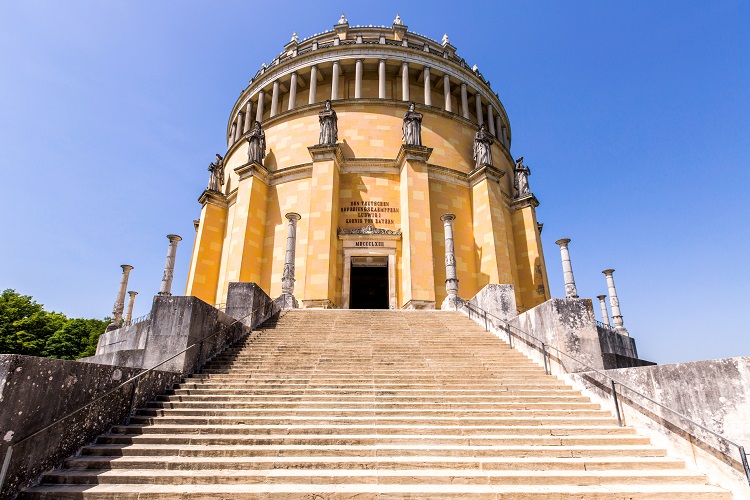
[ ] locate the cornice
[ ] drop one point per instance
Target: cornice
(525, 202)
(213, 198)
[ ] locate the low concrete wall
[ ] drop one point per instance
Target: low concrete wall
(248, 303)
(615, 343)
(714, 393)
(35, 392)
(498, 300)
(568, 328)
(175, 323)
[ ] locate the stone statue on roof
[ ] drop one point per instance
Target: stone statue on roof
(256, 148)
(412, 127)
(329, 128)
(521, 178)
(483, 147)
(216, 179)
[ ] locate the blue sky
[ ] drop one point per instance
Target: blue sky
(633, 117)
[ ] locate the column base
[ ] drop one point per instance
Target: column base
(318, 304)
(452, 303)
(286, 301)
(112, 327)
(622, 331)
(419, 304)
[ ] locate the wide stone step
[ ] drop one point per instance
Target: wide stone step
(376, 476)
(375, 462)
(376, 450)
(371, 412)
(376, 405)
(379, 429)
(382, 399)
(376, 491)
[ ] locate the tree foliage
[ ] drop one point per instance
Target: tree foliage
(27, 328)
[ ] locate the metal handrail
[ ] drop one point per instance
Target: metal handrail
(139, 319)
(131, 380)
(605, 326)
(613, 381)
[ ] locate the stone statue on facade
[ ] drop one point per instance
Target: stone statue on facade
(521, 178)
(329, 128)
(483, 147)
(216, 178)
(412, 127)
(256, 149)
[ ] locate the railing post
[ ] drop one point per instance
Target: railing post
(132, 402)
(617, 403)
(544, 355)
(743, 456)
(510, 336)
(9, 454)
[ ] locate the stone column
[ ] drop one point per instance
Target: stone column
(275, 98)
(499, 128)
(114, 324)
(480, 114)
(261, 104)
(613, 302)
(405, 81)
(447, 93)
(381, 79)
(335, 81)
(129, 310)
(232, 133)
(464, 101)
(451, 282)
(427, 88)
(603, 307)
(358, 79)
(240, 124)
(248, 117)
(570, 283)
(313, 85)
(491, 120)
(166, 280)
(287, 299)
(293, 92)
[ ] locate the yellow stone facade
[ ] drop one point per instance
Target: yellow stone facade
(368, 178)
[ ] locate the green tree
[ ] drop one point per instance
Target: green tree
(26, 328)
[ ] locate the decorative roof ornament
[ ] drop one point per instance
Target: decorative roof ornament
(398, 20)
(445, 39)
(295, 38)
(369, 230)
(343, 19)
(475, 68)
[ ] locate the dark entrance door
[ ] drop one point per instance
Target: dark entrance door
(369, 287)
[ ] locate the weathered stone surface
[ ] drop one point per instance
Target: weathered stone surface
(616, 343)
(249, 304)
(715, 394)
(568, 328)
(35, 392)
(175, 324)
(498, 300)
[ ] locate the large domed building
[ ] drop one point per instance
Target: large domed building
(361, 189)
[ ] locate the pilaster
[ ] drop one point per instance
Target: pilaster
(203, 276)
(417, 274)
(533, 286)
(321, 265)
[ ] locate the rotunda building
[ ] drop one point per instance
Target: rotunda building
(362, 190)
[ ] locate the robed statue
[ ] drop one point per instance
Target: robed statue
(256, 148)
(521, 178)
(412, 127)
(483, 147)
(216, 178)
(329, 128)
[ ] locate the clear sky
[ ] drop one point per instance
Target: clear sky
(633, 116)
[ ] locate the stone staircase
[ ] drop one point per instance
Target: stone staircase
(325, 404)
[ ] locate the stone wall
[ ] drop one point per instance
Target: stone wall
(35, 392)
(497, 300)
(249, 304)
(715, 394)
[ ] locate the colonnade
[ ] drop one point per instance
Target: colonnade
(485, 113)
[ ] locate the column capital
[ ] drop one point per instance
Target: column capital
(447, 217)
(126, 267)
(562, 241)
(293, 216)
(608, 272)
(601, 297)
(174, 237)
(132, 293)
